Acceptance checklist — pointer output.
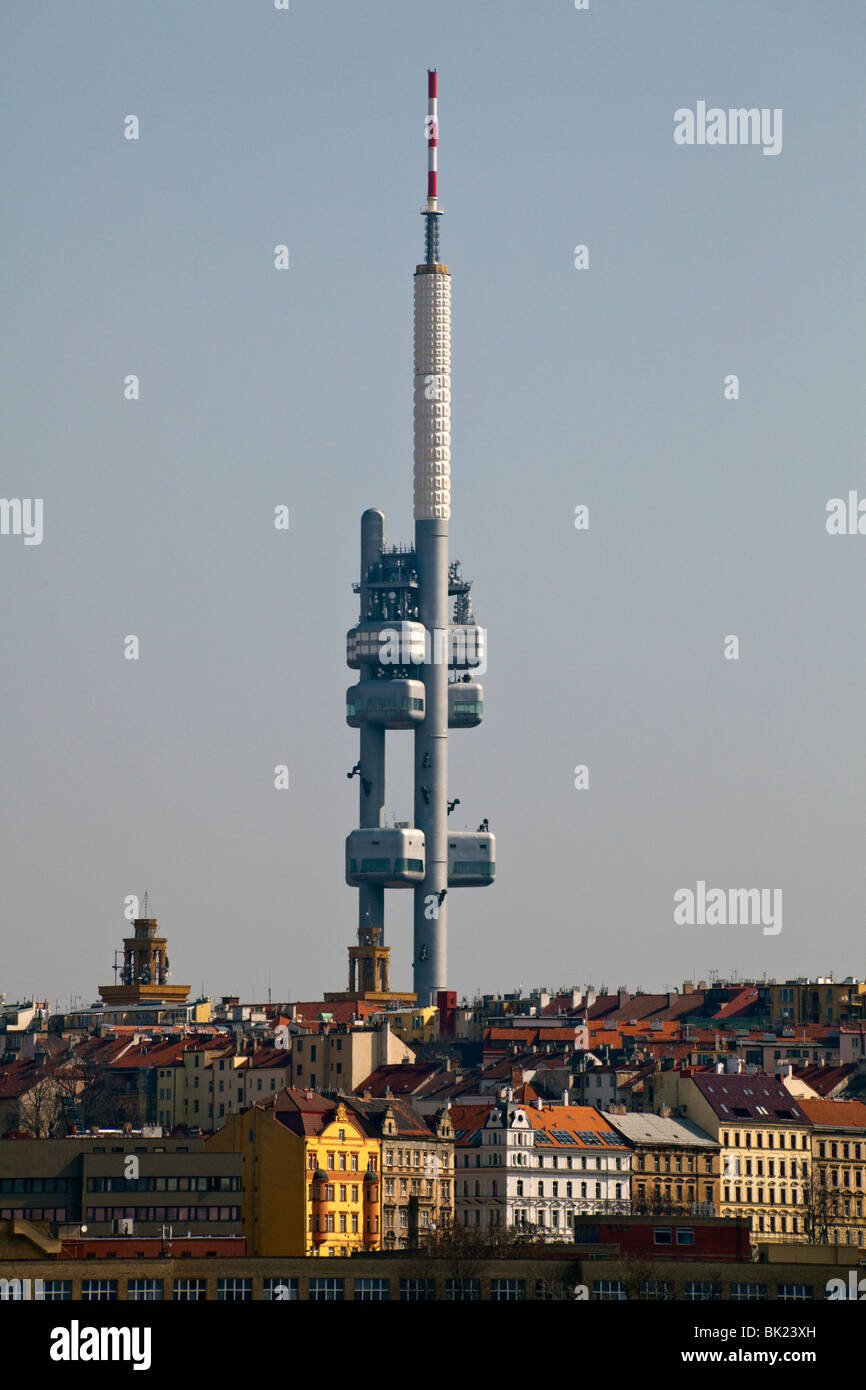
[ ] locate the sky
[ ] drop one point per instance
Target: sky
(602, 387)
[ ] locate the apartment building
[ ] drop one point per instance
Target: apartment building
(837, 1192)
(675, 1166)
(537, 1167)
(765, 1145)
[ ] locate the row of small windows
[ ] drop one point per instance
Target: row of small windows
(201, 1213)
(699, 1291)
(33, 1213)
(494, 1160)
(333, 1160)
(329, 1189)
(170, 1184)
(759, 1140)
(771, 1199)
(554, 1189)
(642, 1162)
(383, 866)
(33, 1185)
(277, 1289)
(734, 1166)
(856, 1150)
(472, 866)
(385, 702)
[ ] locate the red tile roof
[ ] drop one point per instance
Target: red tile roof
(757, 1097)
(401, 1078)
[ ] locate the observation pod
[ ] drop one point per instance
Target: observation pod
(471, 858)
(391, 704)
(465, 704)
(371, 1207)
(385, 644)
(393, 858)
(467, 643)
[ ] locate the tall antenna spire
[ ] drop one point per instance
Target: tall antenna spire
(431, 211)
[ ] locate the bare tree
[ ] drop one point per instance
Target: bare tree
(92, 1095)
(643, 1278)
(38, 1111)
(818, 1206)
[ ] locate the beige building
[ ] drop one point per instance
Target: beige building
(765, 1145)
(339, 1060)
(837, 1192)
(817, 1001)
(417, 1169)
(675, 1166)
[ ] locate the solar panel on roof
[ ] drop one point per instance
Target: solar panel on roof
(610, 1138)
(562, 1135)
(542, 1138)
(588, 1136)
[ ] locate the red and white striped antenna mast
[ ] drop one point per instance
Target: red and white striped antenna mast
(431, 210)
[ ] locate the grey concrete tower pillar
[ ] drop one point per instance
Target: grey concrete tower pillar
(371, 896)
(432, 506)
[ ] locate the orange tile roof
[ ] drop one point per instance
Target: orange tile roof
(572, 1119)
(845, 1114)
(467, 1120)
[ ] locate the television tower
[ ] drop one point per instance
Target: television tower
(415, 657)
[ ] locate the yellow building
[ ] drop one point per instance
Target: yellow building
(341, 1058)
(836, 1200)
(311, 1180)
(817, 1001)
(765, 1145)
(416, 1025)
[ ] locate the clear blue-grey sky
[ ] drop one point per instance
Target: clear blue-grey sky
(602, 386)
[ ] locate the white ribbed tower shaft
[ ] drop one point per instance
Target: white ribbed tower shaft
(432, 511)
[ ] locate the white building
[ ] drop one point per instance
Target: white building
(537, 1167)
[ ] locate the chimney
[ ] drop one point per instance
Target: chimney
(539, 1103)
(382, 1043)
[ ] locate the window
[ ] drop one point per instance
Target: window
(701, 1292)
(507, 1290)
(234, 1290)
(462, 1290)
(656, 1290)
(796, 1292)
(417, 1290)
(144, 1290)
(685, 1235)
(609, 1290)
(98, 1290)
(663, 1235)
(744, 1292)
(277, 1290)
(326, 1291)
(188, 1290)
(372, 1290)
